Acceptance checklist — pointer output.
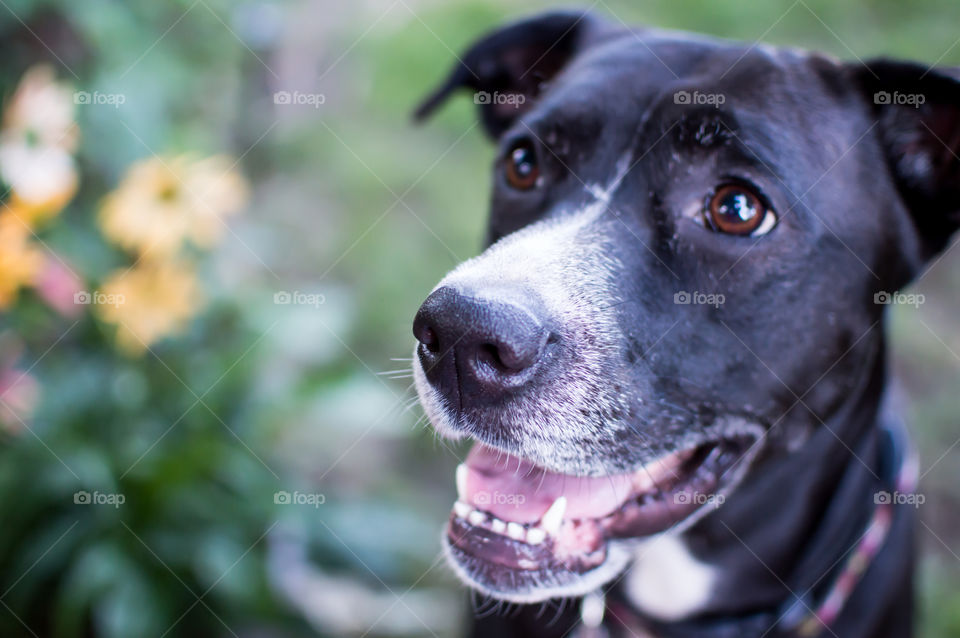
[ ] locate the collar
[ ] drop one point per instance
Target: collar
(899, 474)
(800, 617)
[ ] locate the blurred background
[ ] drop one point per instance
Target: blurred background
(217, 225)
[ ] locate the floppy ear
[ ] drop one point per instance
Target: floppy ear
(508, 68)
(918, 112)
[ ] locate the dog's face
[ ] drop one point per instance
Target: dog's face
(687, 239)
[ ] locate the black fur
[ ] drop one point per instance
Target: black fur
(866, 191)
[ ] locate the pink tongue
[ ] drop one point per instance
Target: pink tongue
(514, 489)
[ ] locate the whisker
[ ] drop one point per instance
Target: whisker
(409, 405)
(620, 303)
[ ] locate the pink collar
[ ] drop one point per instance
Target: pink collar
(866, 549)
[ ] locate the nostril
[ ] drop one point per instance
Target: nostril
(492, 356)
(428, 337)
(511, 357)
(506, 359)
(425, 332)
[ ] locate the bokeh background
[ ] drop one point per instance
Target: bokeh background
(217, 224)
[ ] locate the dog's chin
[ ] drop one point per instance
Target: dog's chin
(524, 534)
(533, 585)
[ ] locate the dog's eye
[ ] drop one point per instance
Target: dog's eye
(737, 210)
(521, 166)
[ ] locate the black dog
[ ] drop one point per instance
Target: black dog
(671, 355)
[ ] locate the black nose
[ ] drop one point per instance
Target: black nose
(477, 348)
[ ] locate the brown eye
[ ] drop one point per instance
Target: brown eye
(521, 166)
(737, 210)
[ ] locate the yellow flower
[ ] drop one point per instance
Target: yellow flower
(37, 141)
(43, 180)
(20, 260)
(163, 202)
(148, 302)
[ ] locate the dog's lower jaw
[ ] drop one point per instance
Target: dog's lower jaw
(622, 555)
(542, 586)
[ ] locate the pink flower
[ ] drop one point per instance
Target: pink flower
(58, 286)
(19, 391)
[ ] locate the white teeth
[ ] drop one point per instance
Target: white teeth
(553, 519)
(461, 509)
(462, 472)
(476, 518)
(535, 536)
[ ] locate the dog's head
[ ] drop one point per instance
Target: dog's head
(690, 240)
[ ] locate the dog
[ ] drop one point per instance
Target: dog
(670, 354)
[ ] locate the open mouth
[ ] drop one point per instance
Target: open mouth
(523, 533)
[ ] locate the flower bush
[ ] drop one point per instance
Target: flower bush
(105, 328)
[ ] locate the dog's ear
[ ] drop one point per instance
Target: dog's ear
(918, 118)
(508, 68)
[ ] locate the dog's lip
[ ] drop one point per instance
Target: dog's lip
(568, 520)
